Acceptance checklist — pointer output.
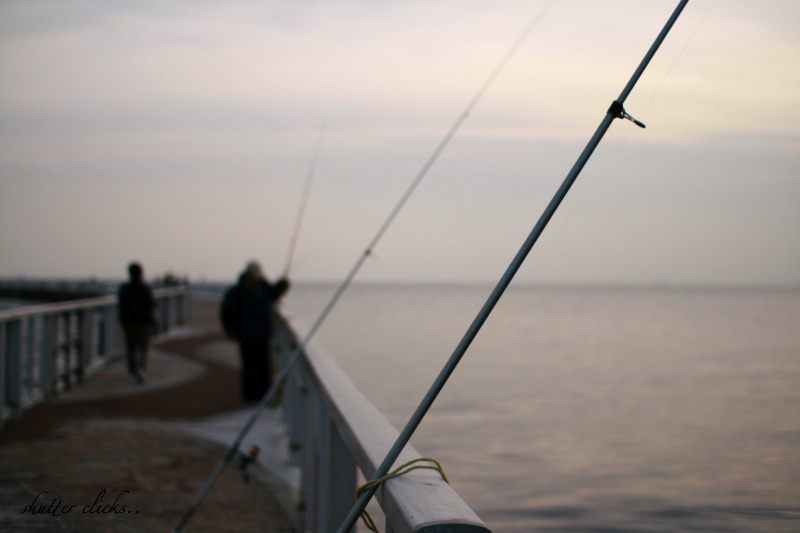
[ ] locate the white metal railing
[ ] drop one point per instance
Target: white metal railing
(334, 429)
(48, 348)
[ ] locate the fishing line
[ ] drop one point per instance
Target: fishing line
(616, 110)
(679, 56)
(362, 258)
(304, 201)
(301, 210)
(523, 284)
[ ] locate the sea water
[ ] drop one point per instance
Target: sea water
(590, 408)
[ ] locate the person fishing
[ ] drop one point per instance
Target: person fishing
(246, 315)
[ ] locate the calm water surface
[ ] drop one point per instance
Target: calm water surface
(590, 409)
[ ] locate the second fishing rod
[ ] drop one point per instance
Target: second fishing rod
(289, 363)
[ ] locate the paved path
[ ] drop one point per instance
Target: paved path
(159, 442)
(165, 370)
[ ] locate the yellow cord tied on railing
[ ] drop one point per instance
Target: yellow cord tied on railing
(399, 471)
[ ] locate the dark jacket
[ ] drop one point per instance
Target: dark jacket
(247, 314)
(135, 304)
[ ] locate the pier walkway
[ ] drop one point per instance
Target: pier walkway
(91, 451)
(158, 442)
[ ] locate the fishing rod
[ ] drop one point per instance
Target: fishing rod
(616, 110)
(287, 367)
(303, 201)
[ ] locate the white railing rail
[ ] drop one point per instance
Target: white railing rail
(48, 348)
(334, 429)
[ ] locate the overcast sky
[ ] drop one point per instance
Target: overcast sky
(179, 134)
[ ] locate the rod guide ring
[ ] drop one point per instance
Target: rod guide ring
(617, 111)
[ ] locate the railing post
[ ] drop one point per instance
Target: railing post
(170, 304)
(102, 333)
(68, 347)
(341, 479)
(296, 415)
(82, 344)
(13, 367)
(174, 313)
(3, 362)
(90, 338)
(183, 305)
(294, 404)
(164, 315)
(35, 335)
(46, 356)
(322, 426)
(178, 308)
(54, 351)
(31, 360)
(25, 361)
(111, 330)
(308, 453)
(317, 448)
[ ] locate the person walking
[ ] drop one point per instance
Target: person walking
(136, 316)
(246, 315)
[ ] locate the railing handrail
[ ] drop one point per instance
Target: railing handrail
(82, 303)
(47, 348)
(414, 503)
